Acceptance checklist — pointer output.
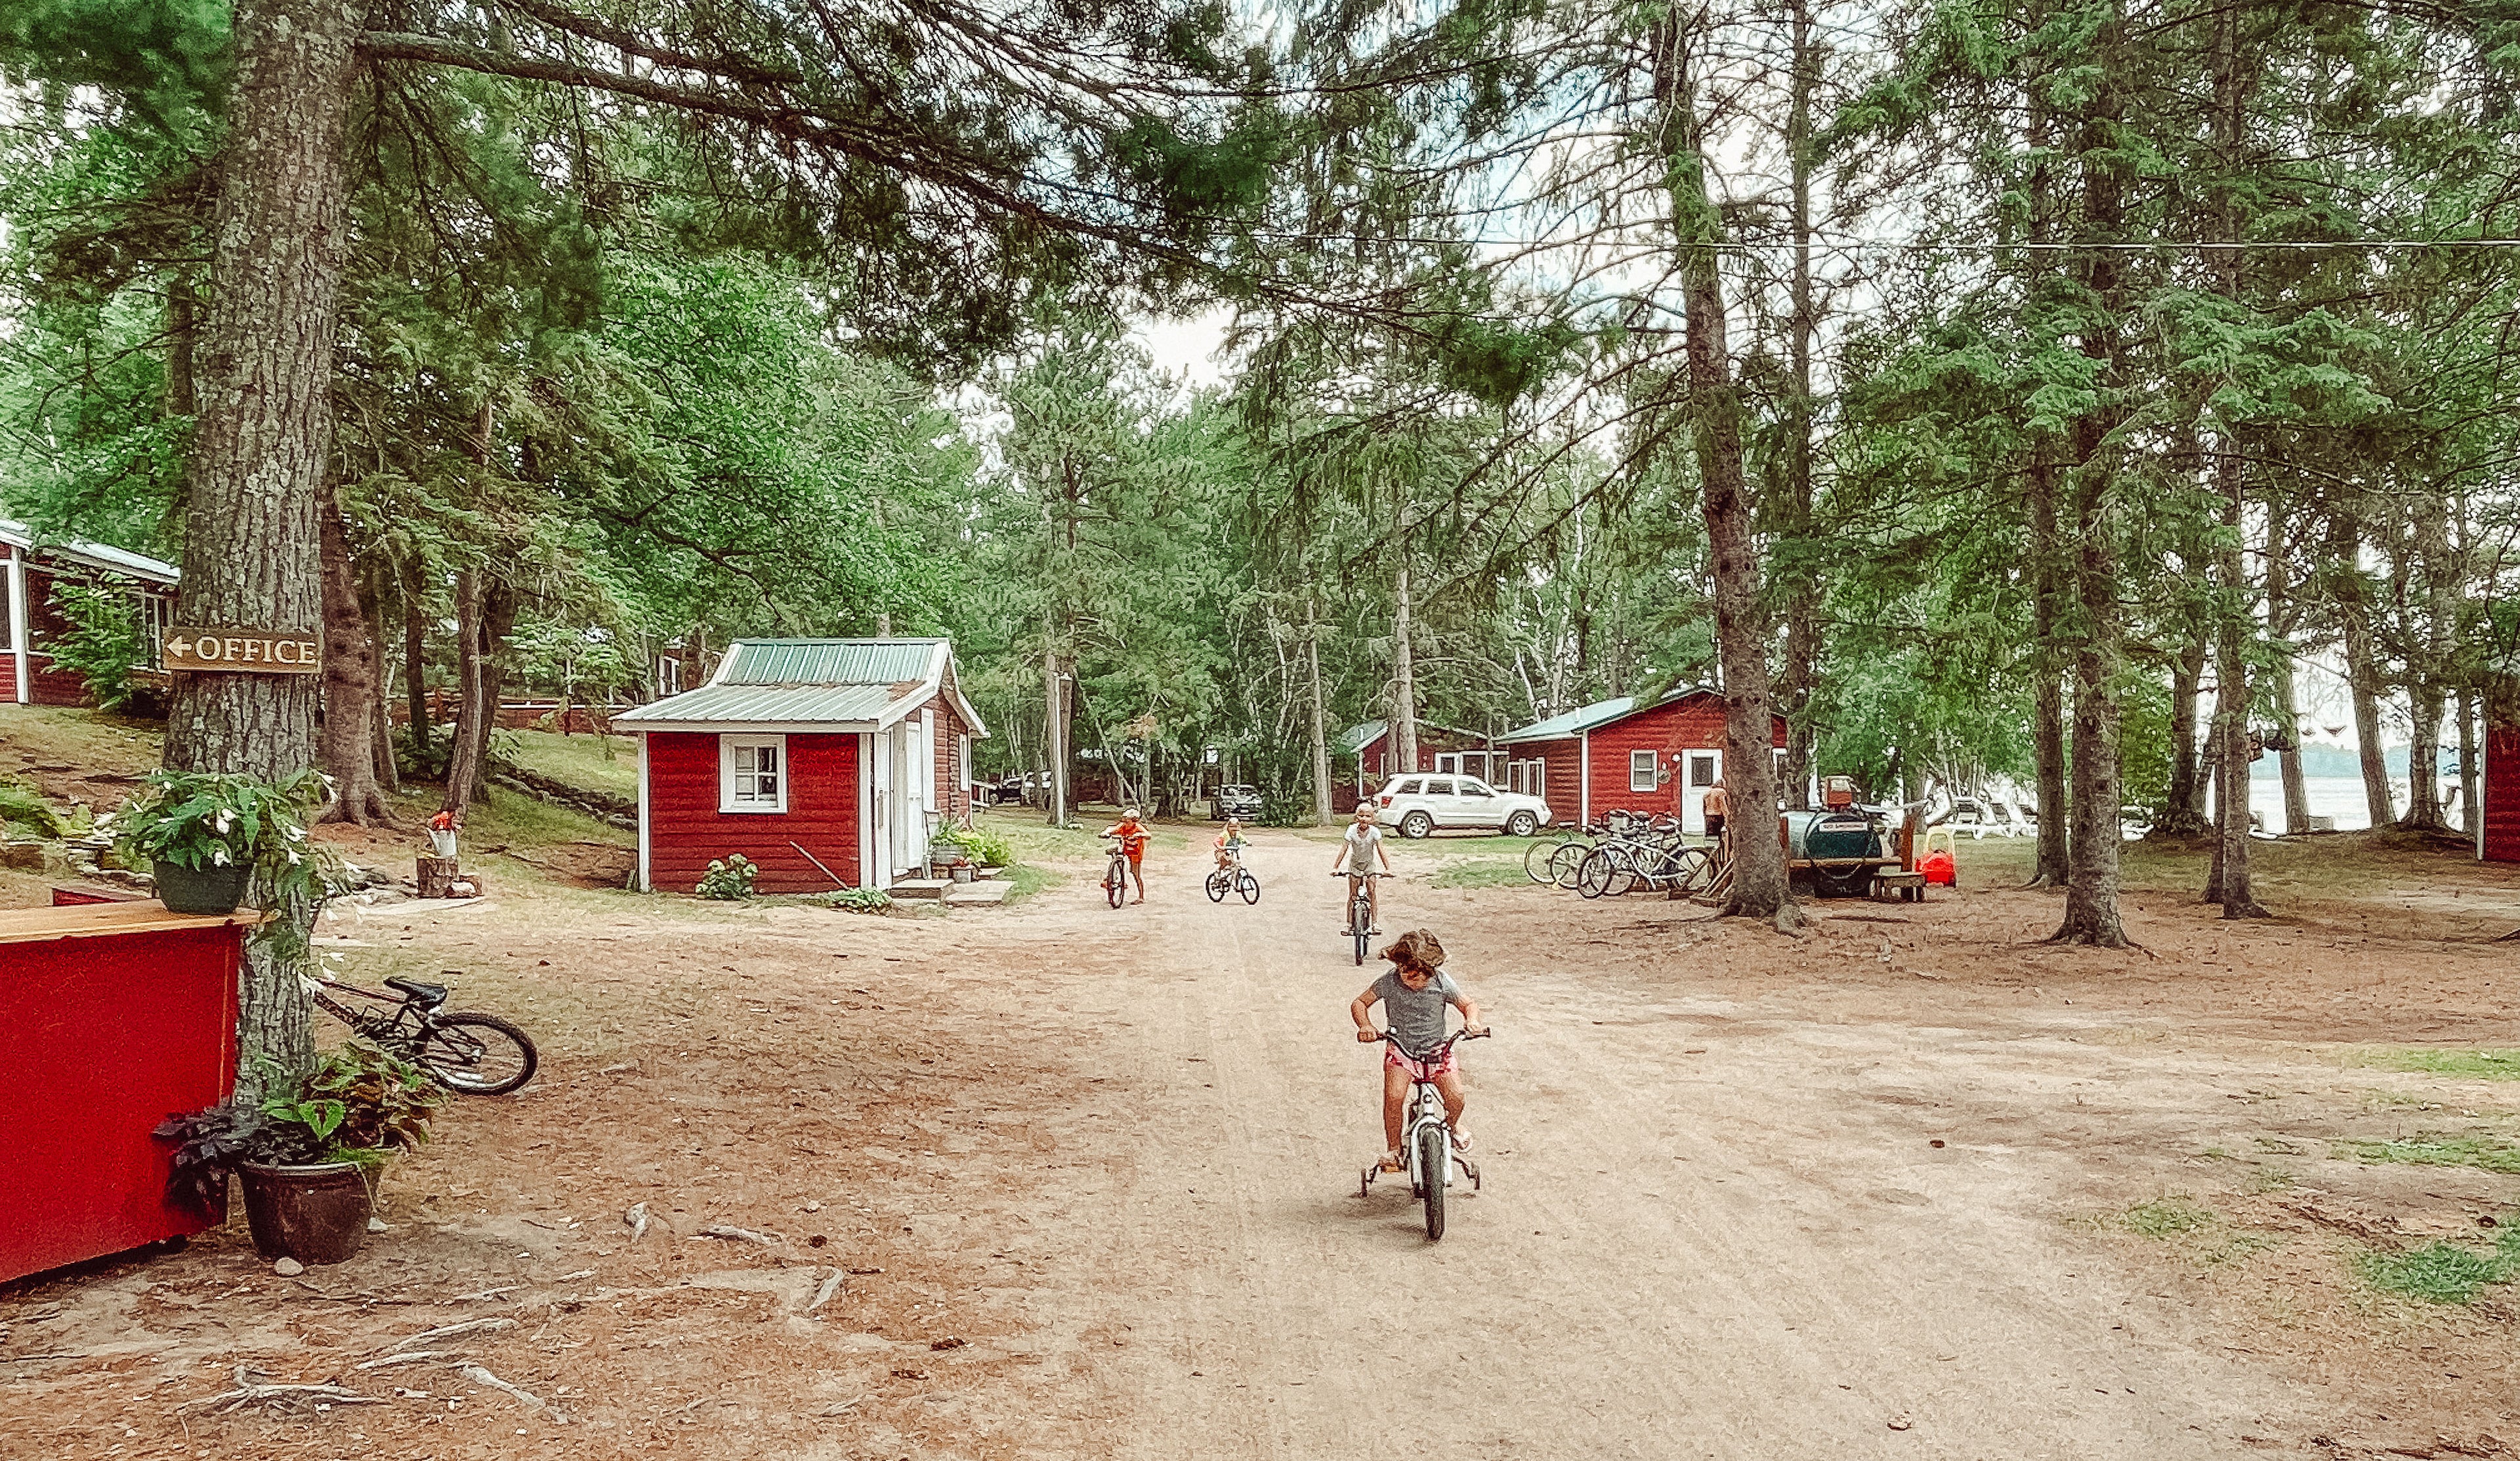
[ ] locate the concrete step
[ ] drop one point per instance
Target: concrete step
(920, 887)
(982, 893)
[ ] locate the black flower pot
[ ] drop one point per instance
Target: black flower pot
(315, 1214)
(202, 890)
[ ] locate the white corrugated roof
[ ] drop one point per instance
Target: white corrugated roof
(812, 685)
(94, 555)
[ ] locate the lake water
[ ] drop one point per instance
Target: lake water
(2340, 797)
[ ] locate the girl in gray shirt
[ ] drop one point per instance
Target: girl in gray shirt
(1414, 993)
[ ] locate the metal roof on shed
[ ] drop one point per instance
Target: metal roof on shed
(766, 705)
(1592, 717)
(94, 555)
(828, 661)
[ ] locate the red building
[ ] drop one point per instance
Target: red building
(29, 570)
(2497, 837)
(1440, 748)
(1618, 754)
(827, 762)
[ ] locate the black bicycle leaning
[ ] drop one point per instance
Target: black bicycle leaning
(469, 1052)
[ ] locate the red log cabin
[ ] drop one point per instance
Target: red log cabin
(1618, 754)
(1440, 748)
(30, 569)
(828, 762)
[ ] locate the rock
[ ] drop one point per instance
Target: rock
(376, 1224)
(288, 1267)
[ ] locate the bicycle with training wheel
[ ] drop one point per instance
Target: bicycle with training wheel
(1426, 1151)
(1360, 910)
(1233, 878)
(469, 1052)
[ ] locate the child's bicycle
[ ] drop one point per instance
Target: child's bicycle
(1115, 872)
(1426, 1142)
(1234, 879)
(469, 1052)
(1360, 912)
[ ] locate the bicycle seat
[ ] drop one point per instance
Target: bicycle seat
(426, 996)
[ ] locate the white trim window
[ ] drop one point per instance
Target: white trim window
(1642, 771)
(752, 773)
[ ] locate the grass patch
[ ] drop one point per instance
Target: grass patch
(599, 763)
(2474, 1065)
(2272, 1179)
(2169, 1217)
(1025, 880)
(2443, 1272)
(1481, 872)
(2490, 1153)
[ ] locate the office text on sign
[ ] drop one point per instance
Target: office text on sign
(243, 652)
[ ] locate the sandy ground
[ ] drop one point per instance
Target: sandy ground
(1088, 1179)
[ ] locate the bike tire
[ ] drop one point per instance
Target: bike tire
(1115, 886)
(1361, 938)
(500, 1059)
(1434, 1158)
(1567, 861)
(1216, 886)
(1250, 887)
(1593, 879)
(1696, 871)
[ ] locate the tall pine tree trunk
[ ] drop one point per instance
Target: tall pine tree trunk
(2091, 881)
(1321, 727)
(464, 750)
(2234, 613)
(2286, 691)
(2427, 694)
(1801, 668)
(261, 442)
(1404, 672)
(346, 746)
(2048, 662)
(1760, 889)
(2185, 813)
(415, 657)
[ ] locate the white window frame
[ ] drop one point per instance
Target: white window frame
(729, 791)
(1528, 778)
(1645, 765)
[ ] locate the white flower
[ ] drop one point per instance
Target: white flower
(223, 821)
(294, 834)
(219, 856)
(294, 860)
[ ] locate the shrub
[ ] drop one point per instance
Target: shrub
(105, 644)
(986, 848)
(729, 878)
(24, 814)
(862, 900)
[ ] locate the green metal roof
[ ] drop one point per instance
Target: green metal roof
(837, 705)
(828, 661)
(1358, 736)
(1592, 717)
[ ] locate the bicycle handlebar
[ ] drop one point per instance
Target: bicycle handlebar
(1435, 1051)
(1343, 872)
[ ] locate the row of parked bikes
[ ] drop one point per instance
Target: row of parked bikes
(1628, 851)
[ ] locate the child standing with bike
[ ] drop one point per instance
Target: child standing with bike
(1414, 994)
(1134, 837)
(1356, 857)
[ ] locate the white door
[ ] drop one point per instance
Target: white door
(1480, 806)
(878, 852)
(1442, 803)
(909, 840)
(1705, 771)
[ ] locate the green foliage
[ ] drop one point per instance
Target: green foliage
(23, 814)
(373, 1100)
(727, 878)
(200, 819)
(2490, 1153)
(2444, 1272)
(2475, 1065)
(106, 642)
(860, 900)
(985, 847)
(2166, 1217)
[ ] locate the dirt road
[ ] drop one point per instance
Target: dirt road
(1082, 1182)
(1702, 1232)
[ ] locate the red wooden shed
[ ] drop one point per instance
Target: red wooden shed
(2497, 837)
(30, 567)
(1440, 748)
(1620, 754)
(827, 762)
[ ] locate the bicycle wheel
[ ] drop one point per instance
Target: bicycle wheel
(1692, 871)
(1567, 861)
(1593, 879)
(1535, 858)
(478, 1054)
(1216, 885)
(1250, 887)
(1115, 884)
(1434, 1164)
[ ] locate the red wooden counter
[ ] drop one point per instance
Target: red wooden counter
(114, 1016)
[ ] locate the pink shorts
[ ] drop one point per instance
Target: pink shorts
(1393, 1060)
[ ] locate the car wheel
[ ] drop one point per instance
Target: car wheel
(1521, 824)
(1416, 825)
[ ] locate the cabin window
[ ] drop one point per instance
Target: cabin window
(1702, 769)
(1640, 771)
(1527, 777)
(752, 773)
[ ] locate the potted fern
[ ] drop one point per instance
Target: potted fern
(204, 835)
(307, 1158)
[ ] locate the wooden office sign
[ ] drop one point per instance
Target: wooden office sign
(243, 652)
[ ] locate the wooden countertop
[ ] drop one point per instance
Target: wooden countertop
(96, 920)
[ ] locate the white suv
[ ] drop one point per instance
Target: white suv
(1419, 805)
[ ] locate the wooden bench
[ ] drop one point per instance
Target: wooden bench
(1910, 886)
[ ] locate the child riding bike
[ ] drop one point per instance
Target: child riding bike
(1229, 844)
(1356, 857)
(1414, 993)
(1133, 836)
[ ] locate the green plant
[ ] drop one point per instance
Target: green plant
(2492, 1153)
(2443, 1272)
(985, 847)
(729, 877)
(359, 1104)
(2166, 1217)
(204, 819)
(862, 900)
(386, 1102)
(105, 644)
(23, 813)
(2483, 1065)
